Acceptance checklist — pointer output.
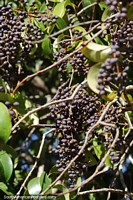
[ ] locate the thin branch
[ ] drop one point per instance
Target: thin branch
(63, 30)
(35, 164)
(84, 9)
(106, 190)
(43, 125)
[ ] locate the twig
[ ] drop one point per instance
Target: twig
(106, 190)
(84, 9)
(43, 125)
(35, 164)
(63, 30)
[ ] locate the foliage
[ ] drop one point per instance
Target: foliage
(66, 105)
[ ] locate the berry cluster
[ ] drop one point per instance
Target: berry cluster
(14, 45)
(73, 120)
(115, 69)
(77, 63)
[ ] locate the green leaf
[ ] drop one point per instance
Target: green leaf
(4, 188)
(5, 124)
(56, 1)
(63, 189)
(92, 197)
(43, 6)
(106, 14)
(69, 3)
(86, 3)
(60, 9)
(79, 28)
(111, 96)
(93, 76)
(46, 46)
(6, 166)
(98, 148)
(38, 184)
(90, 159)
(60, 23)
(96, 52)
(108, 162)
(130, 11)
(6, 97)
(34, 186)
(45, 181)
(12, 153)
(2, 83)
(102, 5)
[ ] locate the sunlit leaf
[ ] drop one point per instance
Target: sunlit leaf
(106, 14)
(34, 186)
(108, 162)
(60, 9)
(5, 123)
(92, 77)
(111, 96)
(98, 148)
(96, 52)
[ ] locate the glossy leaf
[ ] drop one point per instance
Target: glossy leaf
(96, 52)
(60, 9)
(93, 76)
(34, 186)
(5, 123)
(6, 166)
